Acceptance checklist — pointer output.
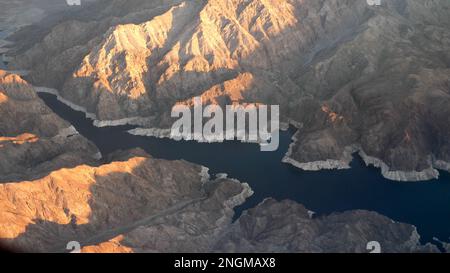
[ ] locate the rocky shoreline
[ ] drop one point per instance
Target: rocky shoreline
(134, 121)
(401, 176)
(344, 163)
(331, 164)
(91, 116)
(151, 132)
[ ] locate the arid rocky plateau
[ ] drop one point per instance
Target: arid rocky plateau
(351, 77)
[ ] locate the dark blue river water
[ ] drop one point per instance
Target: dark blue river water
(423, 204)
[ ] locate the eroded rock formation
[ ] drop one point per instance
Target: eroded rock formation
(33, 139)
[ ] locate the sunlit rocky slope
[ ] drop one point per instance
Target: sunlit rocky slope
(354, 77)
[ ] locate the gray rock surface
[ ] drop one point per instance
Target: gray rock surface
(288, 227)
(270, 227)
(33, 140)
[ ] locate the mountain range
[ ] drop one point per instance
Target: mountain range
(350, 77)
